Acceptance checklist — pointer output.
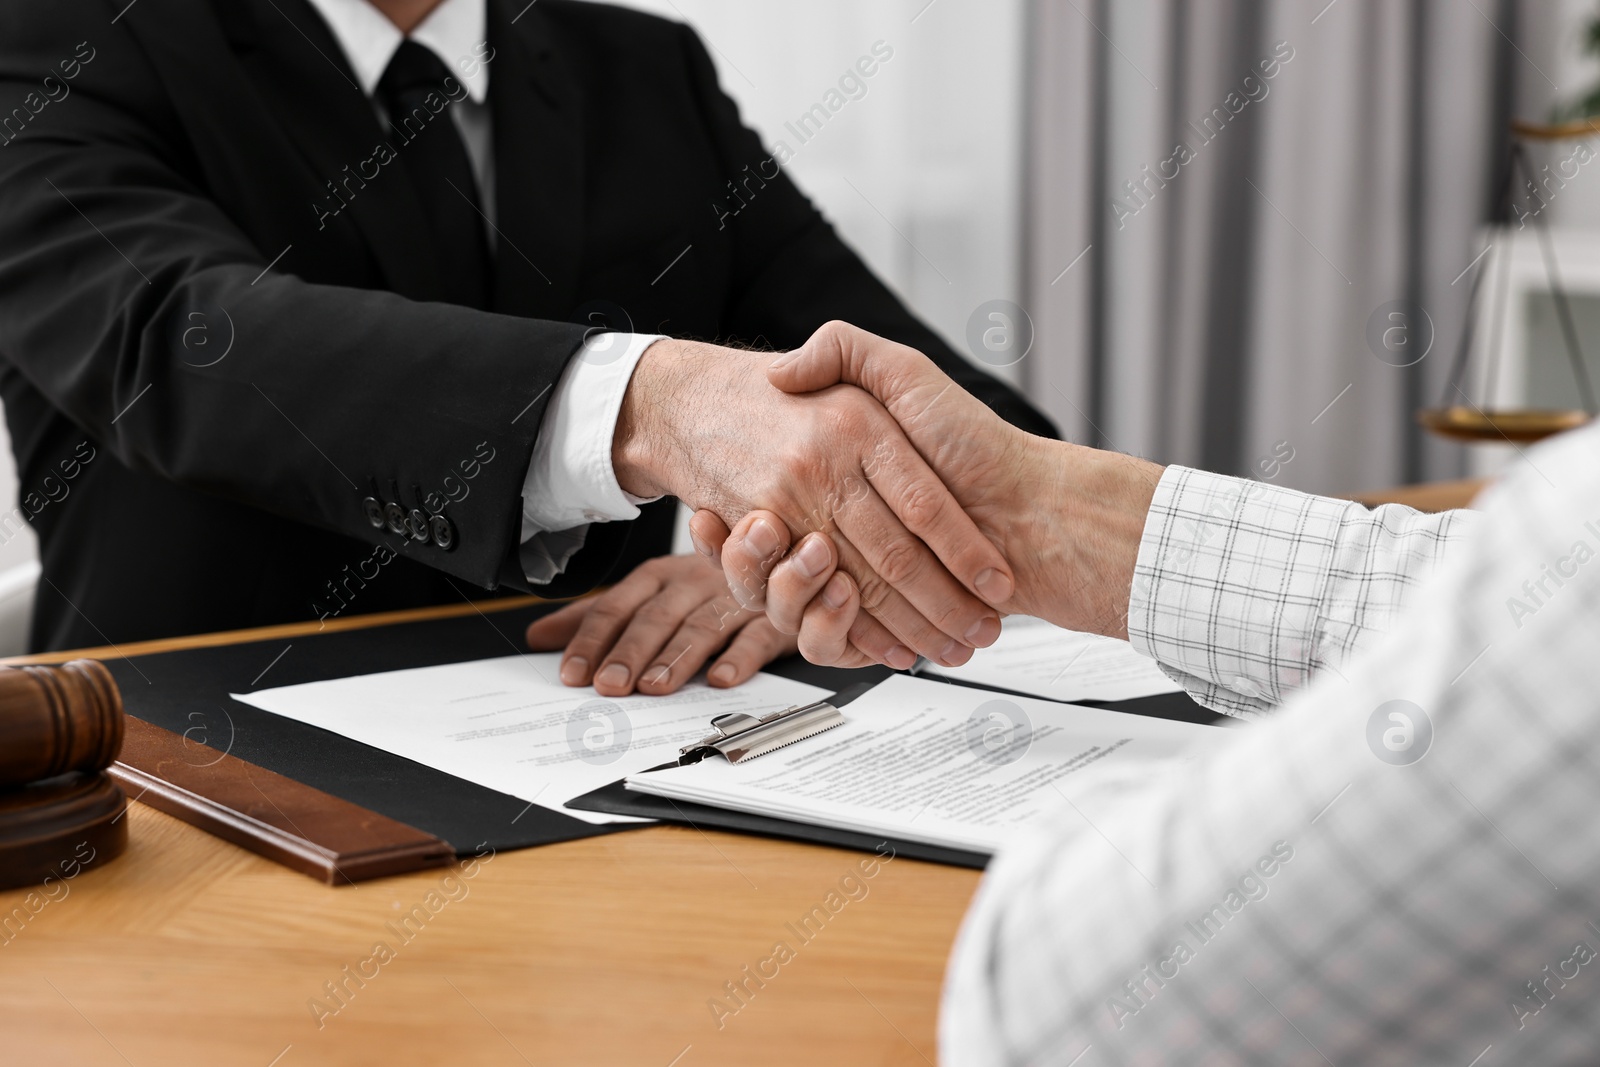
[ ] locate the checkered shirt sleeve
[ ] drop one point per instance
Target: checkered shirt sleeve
(1243, 591)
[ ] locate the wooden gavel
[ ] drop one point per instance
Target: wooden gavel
(60, 812)
(57, 719)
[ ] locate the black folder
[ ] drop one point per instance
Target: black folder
(187, 692)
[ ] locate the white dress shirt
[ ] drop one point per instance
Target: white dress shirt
(1398, 866)
(570, 481)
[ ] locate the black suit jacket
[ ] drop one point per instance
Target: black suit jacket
(197, 432)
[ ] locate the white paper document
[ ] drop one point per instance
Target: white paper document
(942, 764)
(509, 724)
(1040, 658)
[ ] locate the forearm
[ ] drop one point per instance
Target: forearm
(1072, 524)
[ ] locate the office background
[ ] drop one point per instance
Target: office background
(1218, 317)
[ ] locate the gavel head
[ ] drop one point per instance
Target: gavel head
(60, 812)
(54, 720)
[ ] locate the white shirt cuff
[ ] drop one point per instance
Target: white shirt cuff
(570, 481)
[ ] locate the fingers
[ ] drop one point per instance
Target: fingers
(755, 645)
(902, 631)
(825, 631)
(640, 656)
(554, 630)
(756, 544)
(938, 611)
(913, 634)
(898, 375)
(795, 582)
(917, 497)
(708, 532)
(876, 644)
(705, 630)
(841, 635)
(607, 616)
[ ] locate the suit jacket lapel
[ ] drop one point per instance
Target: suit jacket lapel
(538, 148)
(299, 68)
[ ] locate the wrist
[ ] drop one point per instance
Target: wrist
(644, 446)
(1075, 542)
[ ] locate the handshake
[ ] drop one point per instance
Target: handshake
(862, 506)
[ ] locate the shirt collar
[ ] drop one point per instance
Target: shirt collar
(453, 31)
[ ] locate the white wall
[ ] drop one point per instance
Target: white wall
(922, 174)
(22, 547)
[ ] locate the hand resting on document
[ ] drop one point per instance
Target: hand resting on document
(655, 630)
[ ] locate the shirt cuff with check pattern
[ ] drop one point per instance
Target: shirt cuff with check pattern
(1243, 591)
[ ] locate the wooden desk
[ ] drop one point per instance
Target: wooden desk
(1432, 496)
(188, 950)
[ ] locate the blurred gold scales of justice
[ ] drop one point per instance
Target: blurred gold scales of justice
(1467, 421)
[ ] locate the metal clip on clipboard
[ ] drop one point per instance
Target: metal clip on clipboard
(740, 737)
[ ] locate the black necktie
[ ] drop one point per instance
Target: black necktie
(436, 161)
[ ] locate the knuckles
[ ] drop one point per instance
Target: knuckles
(834, 332)
(656, 615)
(604, 616)
(920, 505)
(873, 591)
(900, 563)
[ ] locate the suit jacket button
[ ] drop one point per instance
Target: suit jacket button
(395, 518)
(374, 512)
(417, 525)
(444, 532)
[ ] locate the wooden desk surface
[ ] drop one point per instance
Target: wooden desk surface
(609, 950)
(1432, 496)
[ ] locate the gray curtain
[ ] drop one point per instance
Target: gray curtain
(1230, 202)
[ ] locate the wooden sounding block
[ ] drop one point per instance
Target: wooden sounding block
(60, 812)
(303, 828)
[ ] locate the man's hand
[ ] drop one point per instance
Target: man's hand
(1069, 518)
(704, 424)
(656, 628)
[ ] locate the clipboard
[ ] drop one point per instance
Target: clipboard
(617, 799)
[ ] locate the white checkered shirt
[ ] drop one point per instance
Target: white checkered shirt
(1399, 866)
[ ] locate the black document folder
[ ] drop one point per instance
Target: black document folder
(187, 693)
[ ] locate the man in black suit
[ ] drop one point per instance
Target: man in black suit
(303, 311)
